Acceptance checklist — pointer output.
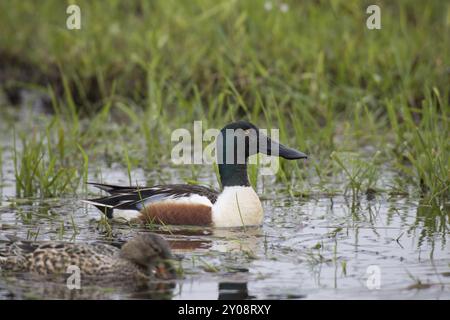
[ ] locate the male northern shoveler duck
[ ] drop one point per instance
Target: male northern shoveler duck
(235, 206)
(146, 256)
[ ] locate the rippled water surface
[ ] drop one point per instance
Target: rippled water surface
(316, 247)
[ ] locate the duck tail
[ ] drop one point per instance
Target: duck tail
(112, 189)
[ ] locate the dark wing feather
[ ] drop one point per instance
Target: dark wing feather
(112, 189)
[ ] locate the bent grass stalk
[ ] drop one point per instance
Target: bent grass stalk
(360, 173)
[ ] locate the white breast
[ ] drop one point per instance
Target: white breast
(237, 206)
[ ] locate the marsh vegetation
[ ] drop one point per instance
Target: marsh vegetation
(370, 108)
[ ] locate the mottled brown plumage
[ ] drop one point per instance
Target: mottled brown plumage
(143, 257)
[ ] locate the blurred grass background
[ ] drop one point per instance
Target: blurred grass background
(314, 52)
(310, 68)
